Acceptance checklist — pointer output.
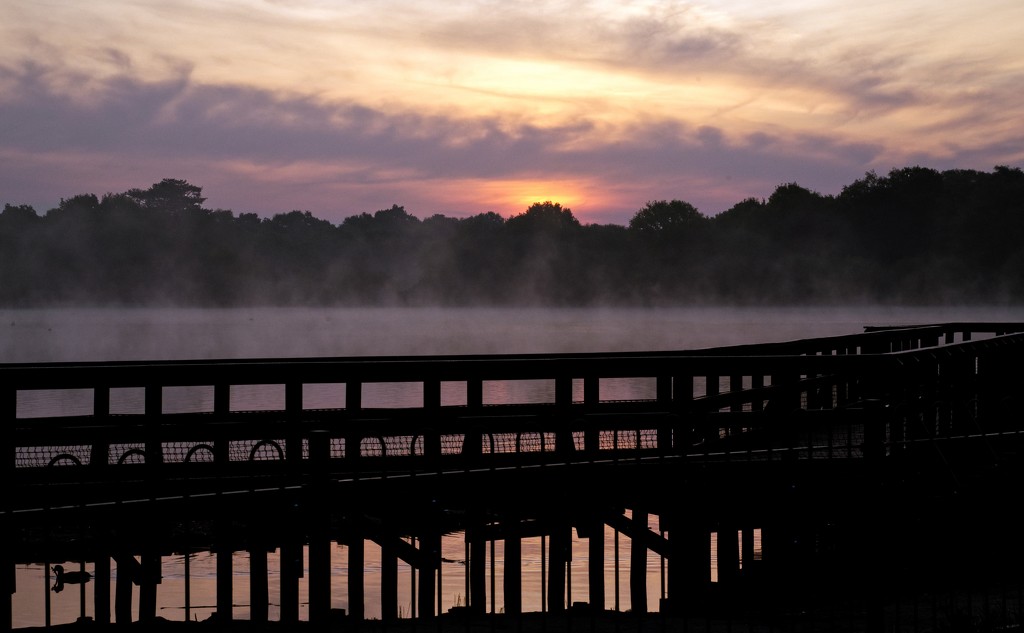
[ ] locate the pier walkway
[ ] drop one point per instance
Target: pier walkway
(878, 466)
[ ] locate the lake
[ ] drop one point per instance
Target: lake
(101, 334)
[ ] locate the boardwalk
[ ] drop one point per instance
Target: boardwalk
(836, 453)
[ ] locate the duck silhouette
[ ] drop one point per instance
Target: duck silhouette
(68, 578)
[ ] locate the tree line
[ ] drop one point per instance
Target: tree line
(915, 235)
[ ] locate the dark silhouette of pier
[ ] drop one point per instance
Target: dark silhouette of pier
(879, 472)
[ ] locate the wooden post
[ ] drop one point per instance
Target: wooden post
(561, 540)
(101, 586)
(224, 570)
(123, 590)
(291, 571)
(101, 445)
(638, 563)
(689, 565)
(513, 568)
(430, 548)
(474, 394)
(477, 565)
(595, 570)
(8, 581)
(728, 554)
(388, 578)
(221, 407)
(259, 592)
(154, 410)
(353, 396)
(319, 530)
(356, 583)
(150, 578)
(747, 554)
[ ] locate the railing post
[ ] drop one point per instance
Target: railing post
(293, 411)
(682, 406)
(221, 408)
(353, 404)
(563, 403)
(432, 407)
(154, 404)
(98, 455)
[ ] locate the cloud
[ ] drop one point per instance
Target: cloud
(341, 108)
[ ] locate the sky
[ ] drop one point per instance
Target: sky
(341, 107)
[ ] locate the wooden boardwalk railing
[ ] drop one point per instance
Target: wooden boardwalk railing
(86, 437)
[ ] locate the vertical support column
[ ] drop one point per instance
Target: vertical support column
(151, 577)
(8, 415)
(148, 571)
(595, 570)
(259, 592)
(291, 571)
(638, 563)
(477, 564)
(561, 540)
(513, 568)
(389, 578)
(356, 583)
(101, 585)
(225, 570)
(689, 565)
(319, 529)
(728, 554)
(8, 581)
(749, 569)
(123, 589)
(430, 550)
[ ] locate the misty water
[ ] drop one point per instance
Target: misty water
(102, 334)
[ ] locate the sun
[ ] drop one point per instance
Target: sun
(520, 195)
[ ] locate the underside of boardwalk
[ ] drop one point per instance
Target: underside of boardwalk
(871, 478)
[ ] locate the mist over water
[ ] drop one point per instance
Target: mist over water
(112, 334)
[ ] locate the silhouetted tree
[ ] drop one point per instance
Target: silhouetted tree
(171, 195)
(915, 234)
(663, 215)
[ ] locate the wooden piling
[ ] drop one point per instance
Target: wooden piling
(638, 563)
(513, 578)
(259, 592)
